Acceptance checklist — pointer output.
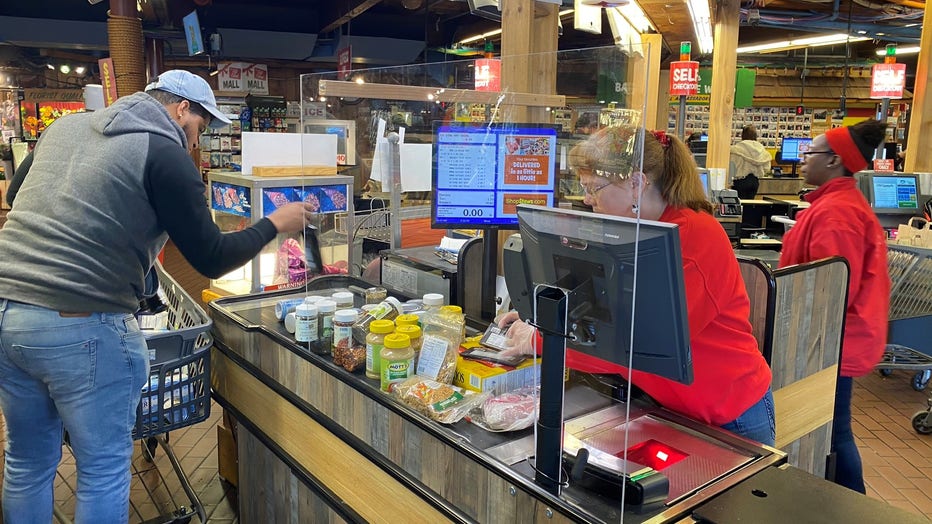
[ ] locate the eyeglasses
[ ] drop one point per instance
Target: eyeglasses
(807, 153)
(592, 191)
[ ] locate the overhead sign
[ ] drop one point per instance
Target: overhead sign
(344, 62)
(53, 95)
(108, 80)
(242, 77)
(684, 78)
(888, 80)
(488, 74)
(883, 164)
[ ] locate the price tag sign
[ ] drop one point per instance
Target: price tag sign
(883, 164)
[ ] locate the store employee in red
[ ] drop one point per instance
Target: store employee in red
(731, 386)
(839, 221)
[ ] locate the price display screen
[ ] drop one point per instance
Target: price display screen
(482, 172)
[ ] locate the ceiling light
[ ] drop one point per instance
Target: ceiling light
(911, 50)
(80, 70)
(360, 80)
(50, 66)
(635, 16)
(483, 36)
(566, 12)
(65, 69)
(702, 24)
(813, 41)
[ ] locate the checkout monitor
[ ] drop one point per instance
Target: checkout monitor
(595, 255)
(483, 171)
(892, 193)
(792, 149)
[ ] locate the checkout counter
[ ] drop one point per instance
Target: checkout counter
(319, 444)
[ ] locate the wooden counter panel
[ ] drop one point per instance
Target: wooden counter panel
(467, 484)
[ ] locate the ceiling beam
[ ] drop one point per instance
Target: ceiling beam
(361, 7)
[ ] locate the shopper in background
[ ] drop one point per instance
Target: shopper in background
(731, 386)
(840, 222)
(104, 192)
(749, 161)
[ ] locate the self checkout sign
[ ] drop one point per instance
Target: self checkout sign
(684, 74)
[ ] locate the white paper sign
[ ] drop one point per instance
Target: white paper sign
(287, 149)
(378, 162)
(416, 162)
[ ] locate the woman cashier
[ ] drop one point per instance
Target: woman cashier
(731, 386)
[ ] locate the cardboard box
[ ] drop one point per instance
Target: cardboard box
(227, 460)
(479, 376)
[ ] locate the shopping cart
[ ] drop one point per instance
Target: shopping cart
(177, 395)
(910, 315)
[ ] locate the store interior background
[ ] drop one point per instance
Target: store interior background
(295, 37)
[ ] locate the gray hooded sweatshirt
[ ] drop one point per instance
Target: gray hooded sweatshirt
(749, 157)
(104, 192)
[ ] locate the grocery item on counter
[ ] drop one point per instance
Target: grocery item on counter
(374, 295)
(407, 320)
(442, 335)
(388, 309)
(414, 333)
(510, 411)
(344, 299)
(437, 401)
(283, 307)
(396, 360)
(343, 321)
(375, 340)
(350, 358)
(325, 311)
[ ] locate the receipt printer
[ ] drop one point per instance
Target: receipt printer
(727, 202)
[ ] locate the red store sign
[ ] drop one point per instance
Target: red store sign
(684, 78)
(888, 80)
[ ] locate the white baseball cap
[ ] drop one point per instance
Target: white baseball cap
(192, 88)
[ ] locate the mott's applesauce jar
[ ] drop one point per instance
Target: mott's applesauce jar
(406, 320)
(397, 360)
(375, 340)
(414, 333)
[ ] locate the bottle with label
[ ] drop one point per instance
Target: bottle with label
(397, 359)
(343, 321)
(414, 333)
(388, 309)
(305, 325)
(344, 299)
(375, 340)
(325, 312)
(408, 319)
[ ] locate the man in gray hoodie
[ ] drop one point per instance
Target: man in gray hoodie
(104, 192)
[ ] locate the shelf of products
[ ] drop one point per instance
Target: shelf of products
(772, 123)
(220, 148)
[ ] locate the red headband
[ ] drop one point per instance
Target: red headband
(839, 139)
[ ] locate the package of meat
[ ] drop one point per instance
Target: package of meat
(290, 265)
(511, 411)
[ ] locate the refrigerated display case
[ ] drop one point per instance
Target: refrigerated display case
(238, 201)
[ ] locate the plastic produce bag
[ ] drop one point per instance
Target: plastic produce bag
(441, 402)
(510, 411)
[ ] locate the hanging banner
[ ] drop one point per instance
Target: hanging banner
(488, 74)
(243, 77)
(344, 62)
(888, 80)
(684, 78)
(108, 80)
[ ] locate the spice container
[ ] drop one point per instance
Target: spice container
(388, 309)
(345, 353)
(344, 300)
(397, 360)
(432, 301)
(374, 295)
(325, 312)
(305, 326)
(375, 340)
(414, 333)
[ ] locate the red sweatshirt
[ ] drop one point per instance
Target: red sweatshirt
(730, 374)
(840, 222)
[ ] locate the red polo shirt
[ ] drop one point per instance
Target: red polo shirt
(840, 222)
(730, 374)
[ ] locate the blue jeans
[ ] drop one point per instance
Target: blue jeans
(757, 423)
(848, 469)
(83, 373)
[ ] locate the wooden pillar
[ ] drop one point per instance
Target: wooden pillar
(644, 81)
(722, 104)
(920, 120)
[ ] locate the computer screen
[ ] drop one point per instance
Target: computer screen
(192, 33)
(792, 148)
(894, 193)
(482, 172)
(594, 255)
(704, 178)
